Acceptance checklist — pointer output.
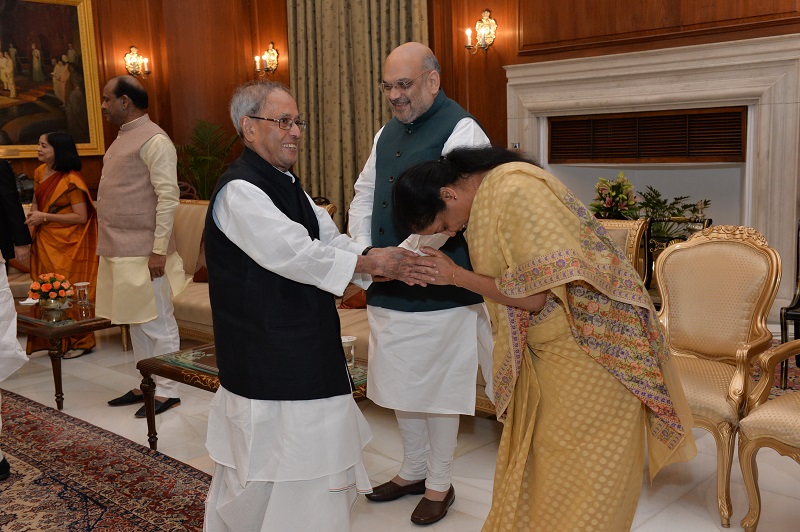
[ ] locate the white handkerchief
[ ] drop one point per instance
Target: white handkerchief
(29, 301)
(414, 242)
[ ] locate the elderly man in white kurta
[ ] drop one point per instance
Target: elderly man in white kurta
(136, 201)
(425, 343)
(283, 429)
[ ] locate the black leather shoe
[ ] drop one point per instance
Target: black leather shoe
(389, 491)
(428, 512)
(129, 398)
(172, 402)
(5, 469)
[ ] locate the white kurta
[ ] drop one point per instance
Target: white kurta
(282, 441)
(12, 356)
(423, 361)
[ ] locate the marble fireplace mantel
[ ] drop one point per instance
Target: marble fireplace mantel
(763, 74)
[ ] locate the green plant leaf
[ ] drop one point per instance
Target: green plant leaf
(201, 162)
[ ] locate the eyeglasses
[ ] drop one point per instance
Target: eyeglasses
(400, 85)
(285, 122)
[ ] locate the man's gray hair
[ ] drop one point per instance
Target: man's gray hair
(248, 98)
(429, 62)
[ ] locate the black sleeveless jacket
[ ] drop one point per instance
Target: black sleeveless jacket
(276, 339)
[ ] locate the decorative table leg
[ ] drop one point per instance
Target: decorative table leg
(148, 387)
(55, 361)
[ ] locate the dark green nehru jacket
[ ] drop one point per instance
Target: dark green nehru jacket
(399, 147)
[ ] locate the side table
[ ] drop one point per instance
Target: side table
(197, 367)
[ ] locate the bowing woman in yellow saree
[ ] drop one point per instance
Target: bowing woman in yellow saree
(64, 226)
(581, 373)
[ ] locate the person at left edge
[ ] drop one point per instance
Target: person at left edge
(14, 243)
(136, 202)
(283, 428)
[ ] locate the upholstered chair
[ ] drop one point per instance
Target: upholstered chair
(632, 237)
(716, 291)
(792, 313)
(774, 423)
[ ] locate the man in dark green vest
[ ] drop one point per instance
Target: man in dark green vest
(425, 342)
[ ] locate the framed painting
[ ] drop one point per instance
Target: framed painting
(48, 76)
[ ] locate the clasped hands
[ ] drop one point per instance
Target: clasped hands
(397, 263)
(35, 218)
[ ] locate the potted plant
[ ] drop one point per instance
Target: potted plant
(615, 199)
(679, 209)
(202, 161)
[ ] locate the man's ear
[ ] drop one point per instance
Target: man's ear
(246, 124)
(434, 81)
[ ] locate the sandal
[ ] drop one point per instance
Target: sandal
(75, 353)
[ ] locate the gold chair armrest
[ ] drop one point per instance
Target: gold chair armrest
(767, 362)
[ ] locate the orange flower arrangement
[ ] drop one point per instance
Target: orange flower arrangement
(50, 286)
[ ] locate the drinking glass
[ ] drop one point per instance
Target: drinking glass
(82, 293)
(349, 344)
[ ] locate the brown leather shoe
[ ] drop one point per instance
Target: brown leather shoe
(428, 512)
(389, 491)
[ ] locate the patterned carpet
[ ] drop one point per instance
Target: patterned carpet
(68, 475)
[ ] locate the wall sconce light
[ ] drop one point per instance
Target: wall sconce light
(485, 32)
(135, 64)
(269, 60)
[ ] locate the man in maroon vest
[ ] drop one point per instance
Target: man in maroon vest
(139, 269)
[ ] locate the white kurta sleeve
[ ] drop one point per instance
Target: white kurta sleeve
(249, 218)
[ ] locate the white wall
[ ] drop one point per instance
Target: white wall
(720, 184)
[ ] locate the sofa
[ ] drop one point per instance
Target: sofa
(193, 308)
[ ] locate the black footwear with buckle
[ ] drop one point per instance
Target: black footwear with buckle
(5, 469)
(428, 512)
(390, 491)
(171, 402)
(129, 398)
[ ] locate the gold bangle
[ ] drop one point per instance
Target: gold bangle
(454, 277)
(45, 217)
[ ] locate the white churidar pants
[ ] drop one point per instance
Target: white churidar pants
(429, 442)
(159, 336)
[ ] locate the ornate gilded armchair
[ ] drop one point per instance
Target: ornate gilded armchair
(774, 424)
(792, 313)
(632, 236)
(717, 289)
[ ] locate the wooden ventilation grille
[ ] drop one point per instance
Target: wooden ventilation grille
(694, 135)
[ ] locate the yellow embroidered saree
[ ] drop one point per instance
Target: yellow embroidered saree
(583, 382)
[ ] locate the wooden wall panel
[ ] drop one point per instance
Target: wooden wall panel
(476, 81)
(559, 25)
(201, 50)
(548, 30)
(205, 64)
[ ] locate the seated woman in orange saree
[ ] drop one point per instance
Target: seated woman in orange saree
(64, 225)
(581, 373)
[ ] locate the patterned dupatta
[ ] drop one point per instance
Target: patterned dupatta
(611, 316)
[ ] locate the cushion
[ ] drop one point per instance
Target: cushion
(24, 267)
(200, 270)
(353, 297)
(706, 384)
(778, 418)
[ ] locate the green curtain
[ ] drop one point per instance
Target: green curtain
(337, 49)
